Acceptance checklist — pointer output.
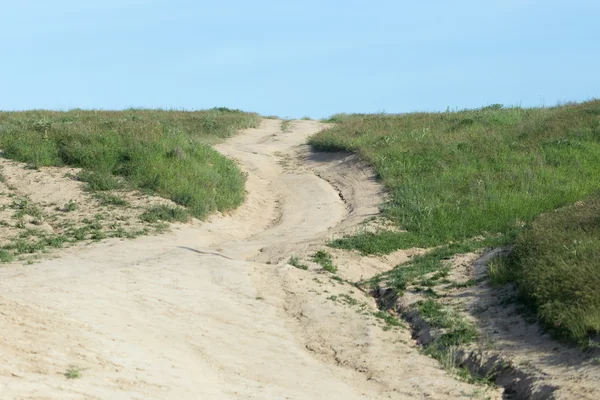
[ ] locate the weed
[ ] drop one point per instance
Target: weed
(108, 199)
(5, 256)
(324, 259)
(295, 262)
(348, 299)
(165, 213)
(56, 241)
(161, 227)
(388, 318)
(462, 285)
(73, 373)
(286, 125)
(98, 235)
(69, 207)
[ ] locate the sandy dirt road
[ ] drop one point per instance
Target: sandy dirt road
(211, 310)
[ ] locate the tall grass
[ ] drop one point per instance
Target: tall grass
(165, 152)
(457, 175)
(485, 176)
(556, 264)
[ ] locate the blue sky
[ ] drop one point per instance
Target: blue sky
(297, 58)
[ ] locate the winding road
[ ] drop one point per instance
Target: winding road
(211, 310)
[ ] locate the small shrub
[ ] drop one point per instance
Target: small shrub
(295, 262)
(25, 207)
(73, 373)
(5, 256)
(70, 206)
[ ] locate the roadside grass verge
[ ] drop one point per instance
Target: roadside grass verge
(556, 265)
(458, 175)
(163, 152)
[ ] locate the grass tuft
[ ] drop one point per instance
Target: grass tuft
(165, 213)
(295, 262)
(73, 373)
(108, 199)
(70, 206)
(324, 259)
(164, 152)
(5, 256)
(286, 125)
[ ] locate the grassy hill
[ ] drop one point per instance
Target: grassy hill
(164, 152)
(480, 177)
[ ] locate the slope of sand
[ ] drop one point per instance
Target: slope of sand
(211, 310)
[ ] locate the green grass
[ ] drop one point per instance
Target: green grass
(5, 256)
(108, 199)
(286, 125)
(23, 206)
(164, 152)
(556, 265)
(165, 213)
(295, 262)
(494, 174)
(73, 373)
(325, 260)
(389, 320)
(69, 207)
(411, 272)
(458, 175)
(450, 330)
